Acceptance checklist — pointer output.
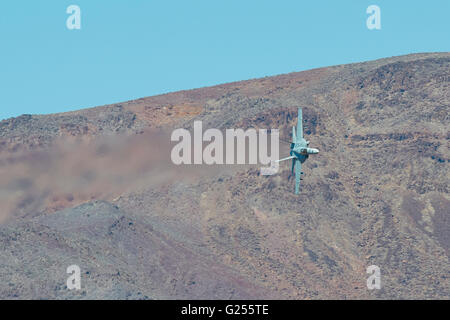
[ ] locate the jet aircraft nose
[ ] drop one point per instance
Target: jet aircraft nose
(312, 150)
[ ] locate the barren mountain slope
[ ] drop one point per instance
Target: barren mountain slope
(378, 192)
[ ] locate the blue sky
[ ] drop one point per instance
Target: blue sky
(128, 49)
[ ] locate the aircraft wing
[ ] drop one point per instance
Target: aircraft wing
(291, 157)
(299, 124)
(298, 174)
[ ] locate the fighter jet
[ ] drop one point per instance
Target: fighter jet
(300, 150)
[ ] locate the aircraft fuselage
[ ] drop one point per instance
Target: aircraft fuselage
(301, 149)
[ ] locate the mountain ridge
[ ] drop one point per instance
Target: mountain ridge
(377, 194)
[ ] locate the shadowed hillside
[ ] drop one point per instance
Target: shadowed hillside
(96, 188)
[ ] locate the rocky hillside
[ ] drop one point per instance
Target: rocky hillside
(96, 188)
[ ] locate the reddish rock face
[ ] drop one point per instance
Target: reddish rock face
(96, 187)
